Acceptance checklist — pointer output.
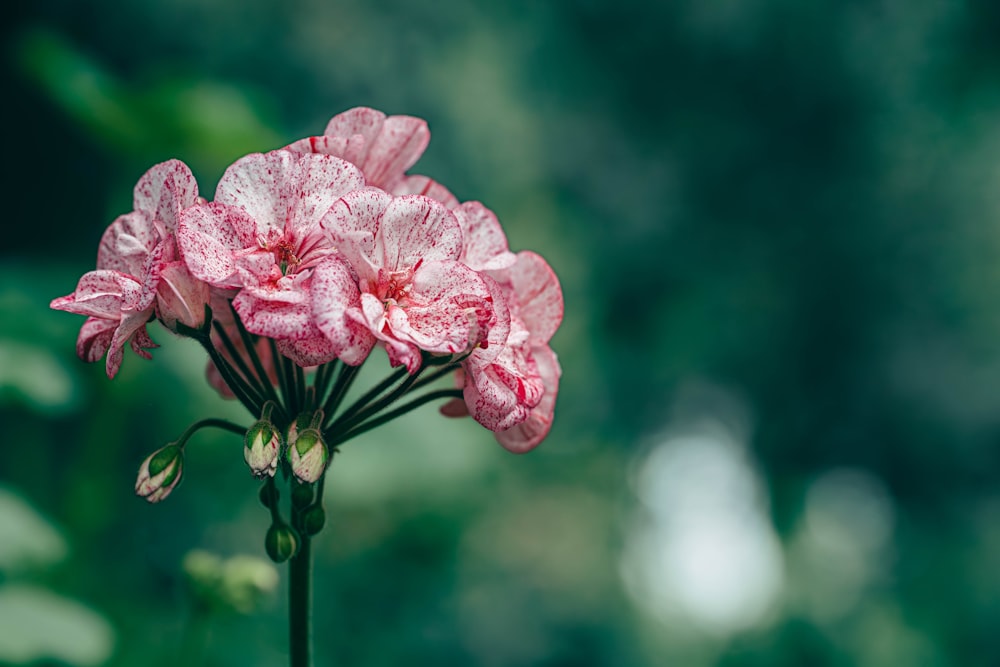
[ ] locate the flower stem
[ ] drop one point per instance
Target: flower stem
(300, 604)
(211, 422)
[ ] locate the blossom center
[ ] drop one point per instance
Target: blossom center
(393, 287)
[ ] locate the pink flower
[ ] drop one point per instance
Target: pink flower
(261, 236)
(112, 302)
(414, 294)
(138, 273)
(383, 147)
(513, 392)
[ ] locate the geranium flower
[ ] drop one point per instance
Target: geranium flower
(383, 147)
(138, 272)
(513, 392)
(415, 295)
(262, 237)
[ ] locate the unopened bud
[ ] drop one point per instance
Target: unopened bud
(302, 495)
(160, 473)
(281, 542)
(261, 446)
(313, 520)
(308, 455)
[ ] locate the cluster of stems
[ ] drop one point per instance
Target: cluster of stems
(315, 399)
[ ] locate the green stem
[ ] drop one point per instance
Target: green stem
(251, 347)
(300, 604)
(340, 387)
(252, 384)
(370, 395)
(354, 431)
(211, 422)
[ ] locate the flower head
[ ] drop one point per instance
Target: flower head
(414, 293)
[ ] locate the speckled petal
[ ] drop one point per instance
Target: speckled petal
(529, 433)
(417, 229)
(273, 319)
(353, 223)
(428, 187)
(538, 296)
(126, 244)
(334, 291)
(284, 189)
(209, 237)
(398, 145)
(164, 191)
(485, 244)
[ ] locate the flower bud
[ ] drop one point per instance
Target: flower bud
(308, 455)
(160, 473)
(281, 542)
(302, 495)
(313, 520)
(260, 448)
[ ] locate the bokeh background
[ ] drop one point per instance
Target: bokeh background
(777, 441)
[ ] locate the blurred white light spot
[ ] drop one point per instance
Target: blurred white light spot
(706, 552)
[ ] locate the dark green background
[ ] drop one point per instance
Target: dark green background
(778, 233)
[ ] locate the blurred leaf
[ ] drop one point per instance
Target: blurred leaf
(32, 375)
(27, 539)
(39, 625)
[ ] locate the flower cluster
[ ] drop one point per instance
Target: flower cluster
(307, 259)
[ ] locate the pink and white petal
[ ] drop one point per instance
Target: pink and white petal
(417, 229)
(538, 295)
(129, 326)
(347, 148)
(312, 351)
(181, 297)
(316, 183)
(485, 244)
(529, 433)
(499, 328)
(291, 290)
(140, 342)
(398, 145)
(402, 354)
(273, 319)
(353, 224)
(492, 403)
(255, 184)
(436, 329)
(359, 126)
(95, 338)
(284, 189)
(210, 237)
(427, 187)
(98, 294)
(126, 244)
(164, 191)
(334, 292)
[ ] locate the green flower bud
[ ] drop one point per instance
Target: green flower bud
(262, 445)
(268, 495)
(302, 495)
(281, 542)
(313, 520)
(160, 473)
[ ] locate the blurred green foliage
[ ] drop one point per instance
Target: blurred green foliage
(777, 229)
